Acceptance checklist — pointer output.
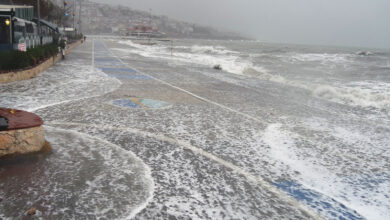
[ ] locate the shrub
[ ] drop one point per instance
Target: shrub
(14, 60)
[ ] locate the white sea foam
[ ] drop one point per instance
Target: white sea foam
(201, 55)
(85, 176)
(212, 50)
(323, 58)
(364, 94)
(58, 84)
(361, 94)
(345, 188)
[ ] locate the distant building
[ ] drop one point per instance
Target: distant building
(144, 30)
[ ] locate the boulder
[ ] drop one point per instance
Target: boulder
(22, 133)
(21, 141)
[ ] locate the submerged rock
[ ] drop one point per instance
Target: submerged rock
(217, 67)
(32, 211)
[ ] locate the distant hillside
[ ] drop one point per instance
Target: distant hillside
(107, 19)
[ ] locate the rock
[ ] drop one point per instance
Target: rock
(22, 141)
(217, 67)
(32, 211)
(6, 140)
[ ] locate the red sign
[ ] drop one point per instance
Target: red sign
(22, 47)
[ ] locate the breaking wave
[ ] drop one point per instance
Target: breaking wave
(361, 95)
(321, 57)
(209, 56)
(212, 50)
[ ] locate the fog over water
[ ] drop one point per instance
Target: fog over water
(359, 23)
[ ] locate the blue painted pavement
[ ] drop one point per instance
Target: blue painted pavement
(113, 69)
(126, 103)
(324, 205)
(150, 103)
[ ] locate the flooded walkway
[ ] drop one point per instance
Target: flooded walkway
(137, 137)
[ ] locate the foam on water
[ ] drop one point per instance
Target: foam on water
(64, 82)
(359, 94)
(211, 49)
(85, 177)
(323, 58)
(201, 55)
(363, 191)
(364, 94)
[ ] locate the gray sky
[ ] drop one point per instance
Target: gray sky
(324, 22)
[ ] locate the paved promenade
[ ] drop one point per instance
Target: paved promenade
(136, 137)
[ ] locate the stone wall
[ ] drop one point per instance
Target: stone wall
(33, 72)
(21, 141)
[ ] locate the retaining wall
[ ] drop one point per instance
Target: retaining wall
(33, 72)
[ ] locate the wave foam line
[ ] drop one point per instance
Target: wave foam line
(89, 97)
(186, 145)
(131, 154)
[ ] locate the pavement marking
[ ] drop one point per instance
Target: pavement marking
(136, 101)
(149, 199)
(154, 104)
(321, 202)
(186, 145)
(115, 69)
(259, 180)
(126, 103)
(141, 103)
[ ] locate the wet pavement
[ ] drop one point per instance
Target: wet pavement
(144, 139)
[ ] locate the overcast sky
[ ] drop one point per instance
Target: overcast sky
(324, 22)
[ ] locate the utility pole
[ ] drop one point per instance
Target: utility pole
(73, 13)
(79, 22)
(63, 16)
(39, 21)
